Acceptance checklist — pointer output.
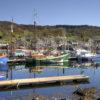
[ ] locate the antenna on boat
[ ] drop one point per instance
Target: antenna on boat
(12, 25)
(34, 16)
(12, 29)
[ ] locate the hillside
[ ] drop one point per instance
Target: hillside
(26, 34)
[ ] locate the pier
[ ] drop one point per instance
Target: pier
(44, 80)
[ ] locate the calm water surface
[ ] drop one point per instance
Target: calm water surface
(23, 71)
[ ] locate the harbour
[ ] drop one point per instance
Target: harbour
(49, 53)
(22, 71)
(53, 70)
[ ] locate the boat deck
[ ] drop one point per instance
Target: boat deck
(16, 60)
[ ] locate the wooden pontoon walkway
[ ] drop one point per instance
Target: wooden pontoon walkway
(44, 80)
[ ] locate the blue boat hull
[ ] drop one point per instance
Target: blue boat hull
(3, 60)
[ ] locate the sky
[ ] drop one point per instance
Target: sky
(51, 12)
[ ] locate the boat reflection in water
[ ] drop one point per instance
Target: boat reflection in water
(4, 69)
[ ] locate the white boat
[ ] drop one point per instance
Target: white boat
(84, 53)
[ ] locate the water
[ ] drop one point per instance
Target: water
(24, 71)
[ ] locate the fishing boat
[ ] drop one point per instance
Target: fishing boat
(82, 53)
(3, 59)
(3, 53)
(40, 59)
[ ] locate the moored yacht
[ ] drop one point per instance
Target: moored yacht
(84, 54)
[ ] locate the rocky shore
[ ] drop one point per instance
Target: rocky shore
(79, 94)
(87, 94)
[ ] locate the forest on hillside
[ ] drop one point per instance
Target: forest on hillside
(27, 35)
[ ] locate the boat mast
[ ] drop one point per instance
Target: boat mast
(11, 37)
(11, 75)
(11, 25)
(34, 26)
